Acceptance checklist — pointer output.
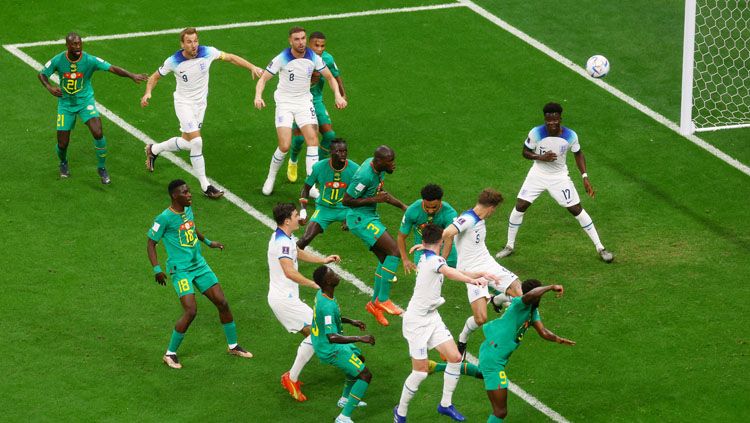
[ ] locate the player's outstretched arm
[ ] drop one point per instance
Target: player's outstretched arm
(287, 265)
(457, 275)
(152, 81)
(255, 71)
(335, 338)
(159, 275)
(136, 77)
(311, 258)
(259, 87)
(358, 323)
(340, 100)
(210, 244)
(537, 293)
(53, 89)
(581, 163)
(549, 336)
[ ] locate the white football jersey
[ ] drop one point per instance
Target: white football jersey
(428, 286)
(281, 246)
(191, 74)
(294, 75)
(470, 240)
(541, 142)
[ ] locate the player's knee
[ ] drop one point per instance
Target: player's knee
(190, 313)
(480, 320)
(500, 411)
(365, 375)
(196, 146)
(453, 357)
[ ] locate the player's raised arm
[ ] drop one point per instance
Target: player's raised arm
(259, 87)
(310, 258)
(152, 81)
(340, 100)
(136, 77)
(535, 294)
(255, 71)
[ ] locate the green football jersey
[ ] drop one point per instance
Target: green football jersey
(416, 217)
(326, 319)
(75, 77)
(506, 332)
(366, 183)
(180, 239)
(332, 183)
(317, 88)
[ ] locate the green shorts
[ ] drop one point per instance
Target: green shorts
(492, 365)
(452, 257)
(367, 228)
(346, 358)
(66, 113)
(324, 216)
(202, 278)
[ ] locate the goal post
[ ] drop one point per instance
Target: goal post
(715, 66)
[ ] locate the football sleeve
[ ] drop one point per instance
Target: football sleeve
(275, 65)
(156, 232)
(407, 222)
(319, 63)
(50, 67)
(167, 67)
(574, 145)
(357, 188)
(531, 141)
(464, 222)
(101, 64)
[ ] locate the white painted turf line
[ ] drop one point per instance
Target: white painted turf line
(249, 24)
(230, 196)
(612, 90)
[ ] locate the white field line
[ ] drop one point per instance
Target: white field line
(230, 196)
(612, 90)
(249, 24)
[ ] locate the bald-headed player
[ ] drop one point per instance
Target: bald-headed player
(75, 95)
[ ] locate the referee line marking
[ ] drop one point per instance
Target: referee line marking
(612, 90)
(15, 49)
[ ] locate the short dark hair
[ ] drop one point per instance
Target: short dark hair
(338, 141)
(187, 31)
(490, 197)
(530, 284)
(282, 212)
(550, 108)
(319, 275)
(174, 185)
(384, 152)
(431, 233)
(296, 29)
(432, 192)
(317, 34)
(71, 36)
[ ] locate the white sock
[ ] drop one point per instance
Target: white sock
(171, 145)
(196, 159)
(588, 225)
(499, 299)
(469, 327)
(276, 161)
(450, 380)
(231, 346)
(514, 224)
(411, 386)
(170, 353)
(311, 158)
(304, 354)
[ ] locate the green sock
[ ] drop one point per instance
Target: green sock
(101, 151)
(467, 368)
(355, 396)
(297, 142)
(176, 340)
(390, 266)
(324, 149)
(378, 282)
(348, 387)
(494, 419)
(62, 154)
(230, 330)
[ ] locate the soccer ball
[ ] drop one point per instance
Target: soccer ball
(597, 66)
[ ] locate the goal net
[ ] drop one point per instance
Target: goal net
(716, 65)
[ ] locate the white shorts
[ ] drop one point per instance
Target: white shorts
(190, 115)
(303, 113)
(560, 187)
(292, 313)
(491, 266)
(424, 333)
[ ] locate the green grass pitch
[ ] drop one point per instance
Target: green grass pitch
(661, 332)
